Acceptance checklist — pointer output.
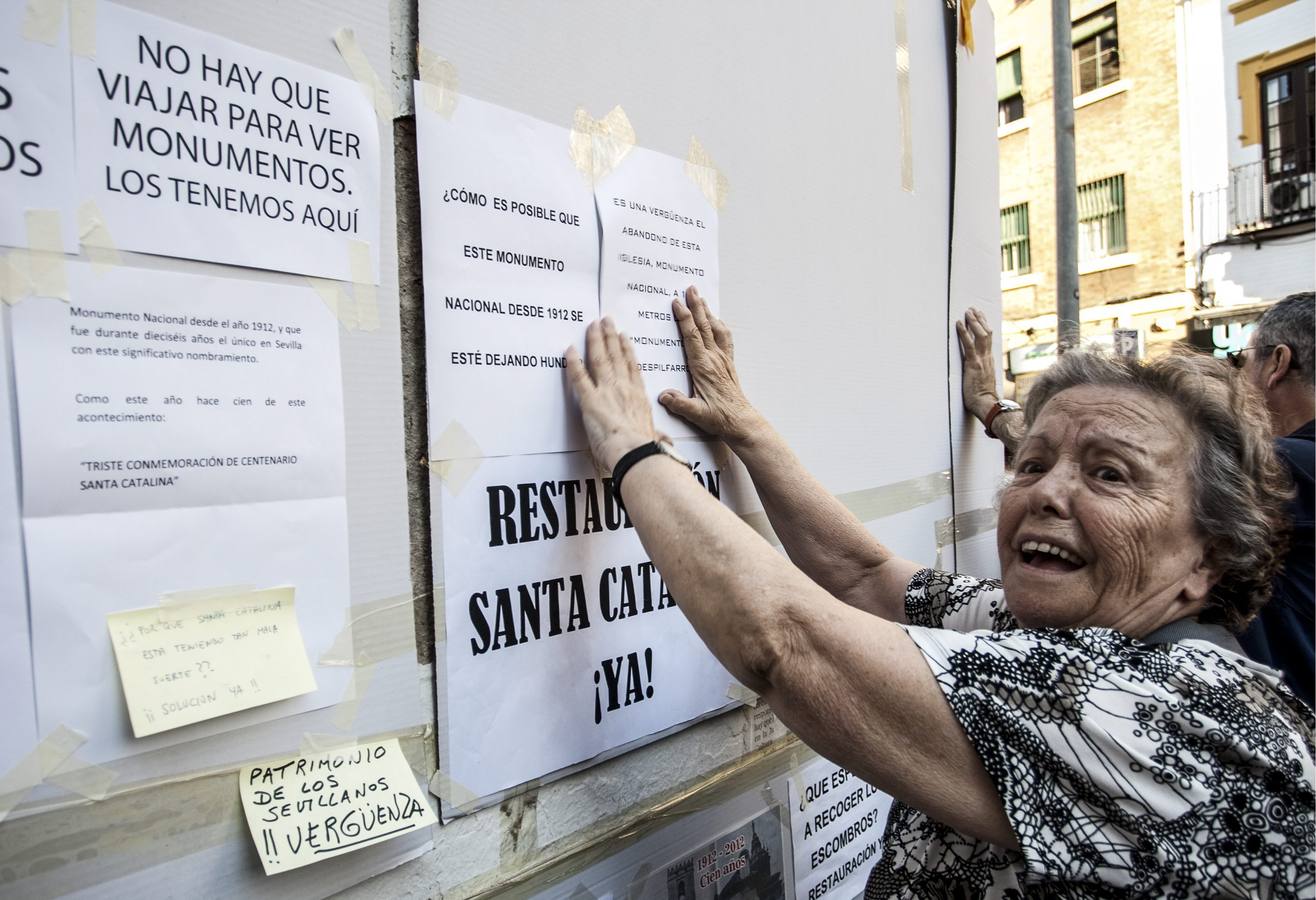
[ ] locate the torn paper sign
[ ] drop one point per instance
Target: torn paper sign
(200, 147)
(511, 255)
(179, 432)
(187, 662)
(36, 122)
(305, 809)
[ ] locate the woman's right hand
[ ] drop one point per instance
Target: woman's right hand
(719, 405)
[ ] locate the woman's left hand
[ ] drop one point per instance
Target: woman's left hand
(618, 417)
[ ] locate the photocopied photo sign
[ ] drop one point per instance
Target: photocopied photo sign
(305, 809)
(196, 146)
(511, 252)
(186, 662)
(659, 237)
(36, 123)
(179, 433)
(744, 862)
(837, 823)
(558, 625)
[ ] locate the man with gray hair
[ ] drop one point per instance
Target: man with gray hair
(1279, 362)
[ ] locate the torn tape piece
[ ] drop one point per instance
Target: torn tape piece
(737, 691)
(875, 503)
(965, 525)
(314, 743)
(42, 20)
(358, 685)
(450, 791)
(83, 778)
(598, 146)
(363, 285)
(374, 632)
(906, 127)
(82, 28)
(94, 237)
(439, 82)
(14, 283)
(700, 169)
(455, 457)
(336, 299)
(363, 72)
(49, 754)
(46, 272)
(966, 24)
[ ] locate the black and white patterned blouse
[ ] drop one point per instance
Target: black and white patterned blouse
(1126, 769)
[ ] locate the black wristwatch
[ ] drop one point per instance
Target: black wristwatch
(642, 452)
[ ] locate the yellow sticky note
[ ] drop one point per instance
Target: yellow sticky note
(187, 662)
(304, 809)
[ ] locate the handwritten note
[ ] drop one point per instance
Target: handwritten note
(186, 662)
(308, 808)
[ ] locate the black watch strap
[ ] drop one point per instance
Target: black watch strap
(630, 458)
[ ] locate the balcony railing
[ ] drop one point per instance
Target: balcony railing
(1269, 193)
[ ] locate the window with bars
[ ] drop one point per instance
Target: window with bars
(1101, 228)
(1096, 51)
(1014, 240)
(1009, 88)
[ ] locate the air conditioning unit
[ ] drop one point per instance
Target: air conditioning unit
(1286, 195)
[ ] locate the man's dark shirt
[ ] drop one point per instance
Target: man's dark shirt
(1282, 635)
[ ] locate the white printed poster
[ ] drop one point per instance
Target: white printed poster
(179, 433)
(837, 823)
(36, 123)
(511, 255)
(563, 641)
(195, 146)
(659, 237)
(19, 735)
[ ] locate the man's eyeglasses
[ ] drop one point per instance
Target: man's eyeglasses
(1235, 357)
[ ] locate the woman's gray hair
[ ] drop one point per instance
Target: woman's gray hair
(1240, 485)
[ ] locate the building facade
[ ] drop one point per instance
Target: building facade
(1150, 83)
(1246, 70)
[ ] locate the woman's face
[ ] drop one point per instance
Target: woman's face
(1096, 526)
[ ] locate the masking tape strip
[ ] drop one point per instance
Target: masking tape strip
(902, 97)
(961, 527)
(700, 169)
(374, 631)
(966, 24)
(737, 691)
(452, 792)
(14, 283)
(314, 743)
(95, 239)
(82, 28)
(363, 72)
(455, 456)
(875, 503)
(46, 270)
(42, 20)
(965, 525)
(363, 285)
(53, 761)
(598, 146)
(336, 299)
(439, 82)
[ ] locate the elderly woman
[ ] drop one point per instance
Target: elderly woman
(1046, 735)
